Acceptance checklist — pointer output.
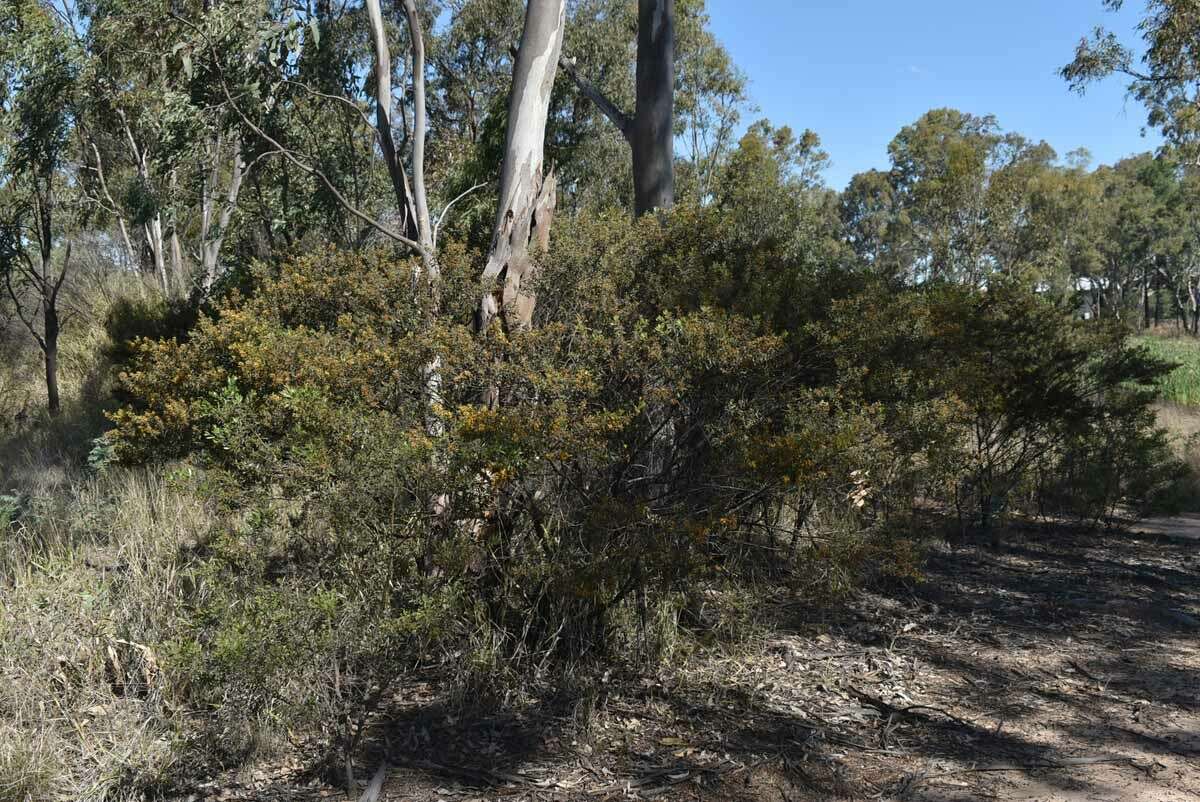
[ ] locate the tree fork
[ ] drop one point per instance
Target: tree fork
(650, 132)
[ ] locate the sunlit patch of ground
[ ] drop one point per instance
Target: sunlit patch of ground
(1055, 666)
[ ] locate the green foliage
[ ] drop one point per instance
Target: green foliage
(1004, 399)
(10, 510)
(1164, 81)
(1182, 384)
(637, 451)
(957, 204)
(131, 319)
(101, 456)
(758, 393)
(662, 430)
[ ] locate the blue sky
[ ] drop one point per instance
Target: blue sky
(856, 71)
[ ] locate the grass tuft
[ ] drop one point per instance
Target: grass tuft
(1182, 385)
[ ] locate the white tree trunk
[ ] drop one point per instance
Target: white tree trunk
(154, 236)
(214, 237)
(383, 119)
(527, 193)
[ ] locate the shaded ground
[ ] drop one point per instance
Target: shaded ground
(1054, 666)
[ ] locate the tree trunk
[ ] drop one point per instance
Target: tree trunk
(50, 354)
(116, 211)
(1157, 301)
(177, 260)
(383, 120)
(1194, 298)
(154, 238)
(653, 139)
(527, 193)
(417, 38)
(1146, 299)
(49, 285)
(214, 238)
(651, 131)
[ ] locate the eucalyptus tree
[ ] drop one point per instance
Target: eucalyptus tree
(683, 87)
(1060, 239)
(1166, 78)
(650, 129)
(39, 72)
(868, 214)
(167, 156)
(955, 205)
(528, 189)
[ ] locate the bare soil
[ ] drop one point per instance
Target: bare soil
(1054, 666)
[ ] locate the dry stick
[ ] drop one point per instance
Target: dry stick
(1162, 743)
(890, 709)
(1065, 763)
(376, 787)
(1075, 665)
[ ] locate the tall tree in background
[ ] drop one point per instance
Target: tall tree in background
(38, 75)
(954, 207)
(165, 156)
(651, 130)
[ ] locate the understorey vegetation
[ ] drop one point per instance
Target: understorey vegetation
(276, 440)
(656, 458)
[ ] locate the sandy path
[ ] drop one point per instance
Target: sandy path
(1083, 648)
(1053, 666)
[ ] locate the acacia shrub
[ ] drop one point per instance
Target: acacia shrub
(1005, 401)
(645, 449)
(656, 443)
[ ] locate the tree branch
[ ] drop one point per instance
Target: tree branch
(116, 212)
(336, 98)
(437, 226)
(62, 275)
(620, 119)
(295, 160)
(20, 310)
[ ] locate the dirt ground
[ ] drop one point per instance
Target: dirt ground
(1051, 666)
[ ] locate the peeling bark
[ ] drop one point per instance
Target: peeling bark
(213, 238)
(154, 238)
(527, 191)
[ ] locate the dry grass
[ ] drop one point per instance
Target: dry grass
(1182, 422)
(1183, 425)
(90, 567)
(88, 585)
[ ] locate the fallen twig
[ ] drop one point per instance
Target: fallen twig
(1064, 763)
(1075, 665)
(911, 710)
(376, 787)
